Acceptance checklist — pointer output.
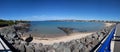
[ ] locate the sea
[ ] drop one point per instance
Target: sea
(50, 28)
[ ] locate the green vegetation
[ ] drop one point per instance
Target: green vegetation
(6, 22)
(21, 21)
(10, 22)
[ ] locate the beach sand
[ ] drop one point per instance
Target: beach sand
(66, 38)
(108, 24)
(73, 36)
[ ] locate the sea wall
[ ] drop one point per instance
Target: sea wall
(86, 44)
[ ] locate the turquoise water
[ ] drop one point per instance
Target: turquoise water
(50, 28)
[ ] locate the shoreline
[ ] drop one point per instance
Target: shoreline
(50, 41)
(73, 36)
(64, 38)
(108, 24)
(75, 42)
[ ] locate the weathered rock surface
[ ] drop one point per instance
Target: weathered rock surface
(66, 30)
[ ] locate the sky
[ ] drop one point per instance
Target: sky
(35, 10)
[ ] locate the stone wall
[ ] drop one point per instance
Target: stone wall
(79, 45)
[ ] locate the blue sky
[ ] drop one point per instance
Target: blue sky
(60, 9)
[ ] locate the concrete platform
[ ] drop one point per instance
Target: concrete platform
(117, 39)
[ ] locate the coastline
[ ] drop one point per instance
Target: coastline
(108, 24)
(50, 41)
(73, 36)
(75, 42)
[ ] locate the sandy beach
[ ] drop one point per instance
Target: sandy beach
(73, 36)
(66, 38)
(108, 24)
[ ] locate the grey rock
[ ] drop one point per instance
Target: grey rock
(82, 40)
(94, 36)
(63, 49)
(89, 47)
(100, 37)
(37, 48)
(17, 42)
(99, 33)
(40, 44)
(11, 41)
(22, 48)
(88, 40)
(75, 50)
(84, 49)
(78, 40)
(29, 48)
(78, 47)
(51, 50)
(56, 45)
(66, 30)
(67, 49)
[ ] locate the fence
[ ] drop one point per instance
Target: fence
(105, 47)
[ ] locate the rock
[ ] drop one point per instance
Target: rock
(47, 47)
(94, 36)
(22, 48)
(11, 42)
(55, 45)
(41, 49)
(62, 43)
(88, 40)
(94, 42)
(73, 42)
(89, 47)
(16, 46)
(75, 50)
(17, 42)
(78, 47)
(63, 49)
(78, 40)
(51, 50)
(29, 48)
(100, 37)
(98, 33)
(71, 46)
(84, 49)
(40, 44)
(66, 30)
(37, 48)
(29, 39)
(82, 40)
(67, 49)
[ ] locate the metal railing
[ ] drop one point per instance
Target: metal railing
(5, 46)
(105, 46)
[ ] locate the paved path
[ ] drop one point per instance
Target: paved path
(117, 39)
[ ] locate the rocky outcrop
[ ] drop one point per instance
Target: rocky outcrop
(22, 27)
(78, 45)
(67, 30)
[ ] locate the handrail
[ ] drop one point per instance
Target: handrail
(11, 48)
(4, 47)
(105, 47)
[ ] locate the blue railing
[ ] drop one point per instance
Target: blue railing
(105, 47)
